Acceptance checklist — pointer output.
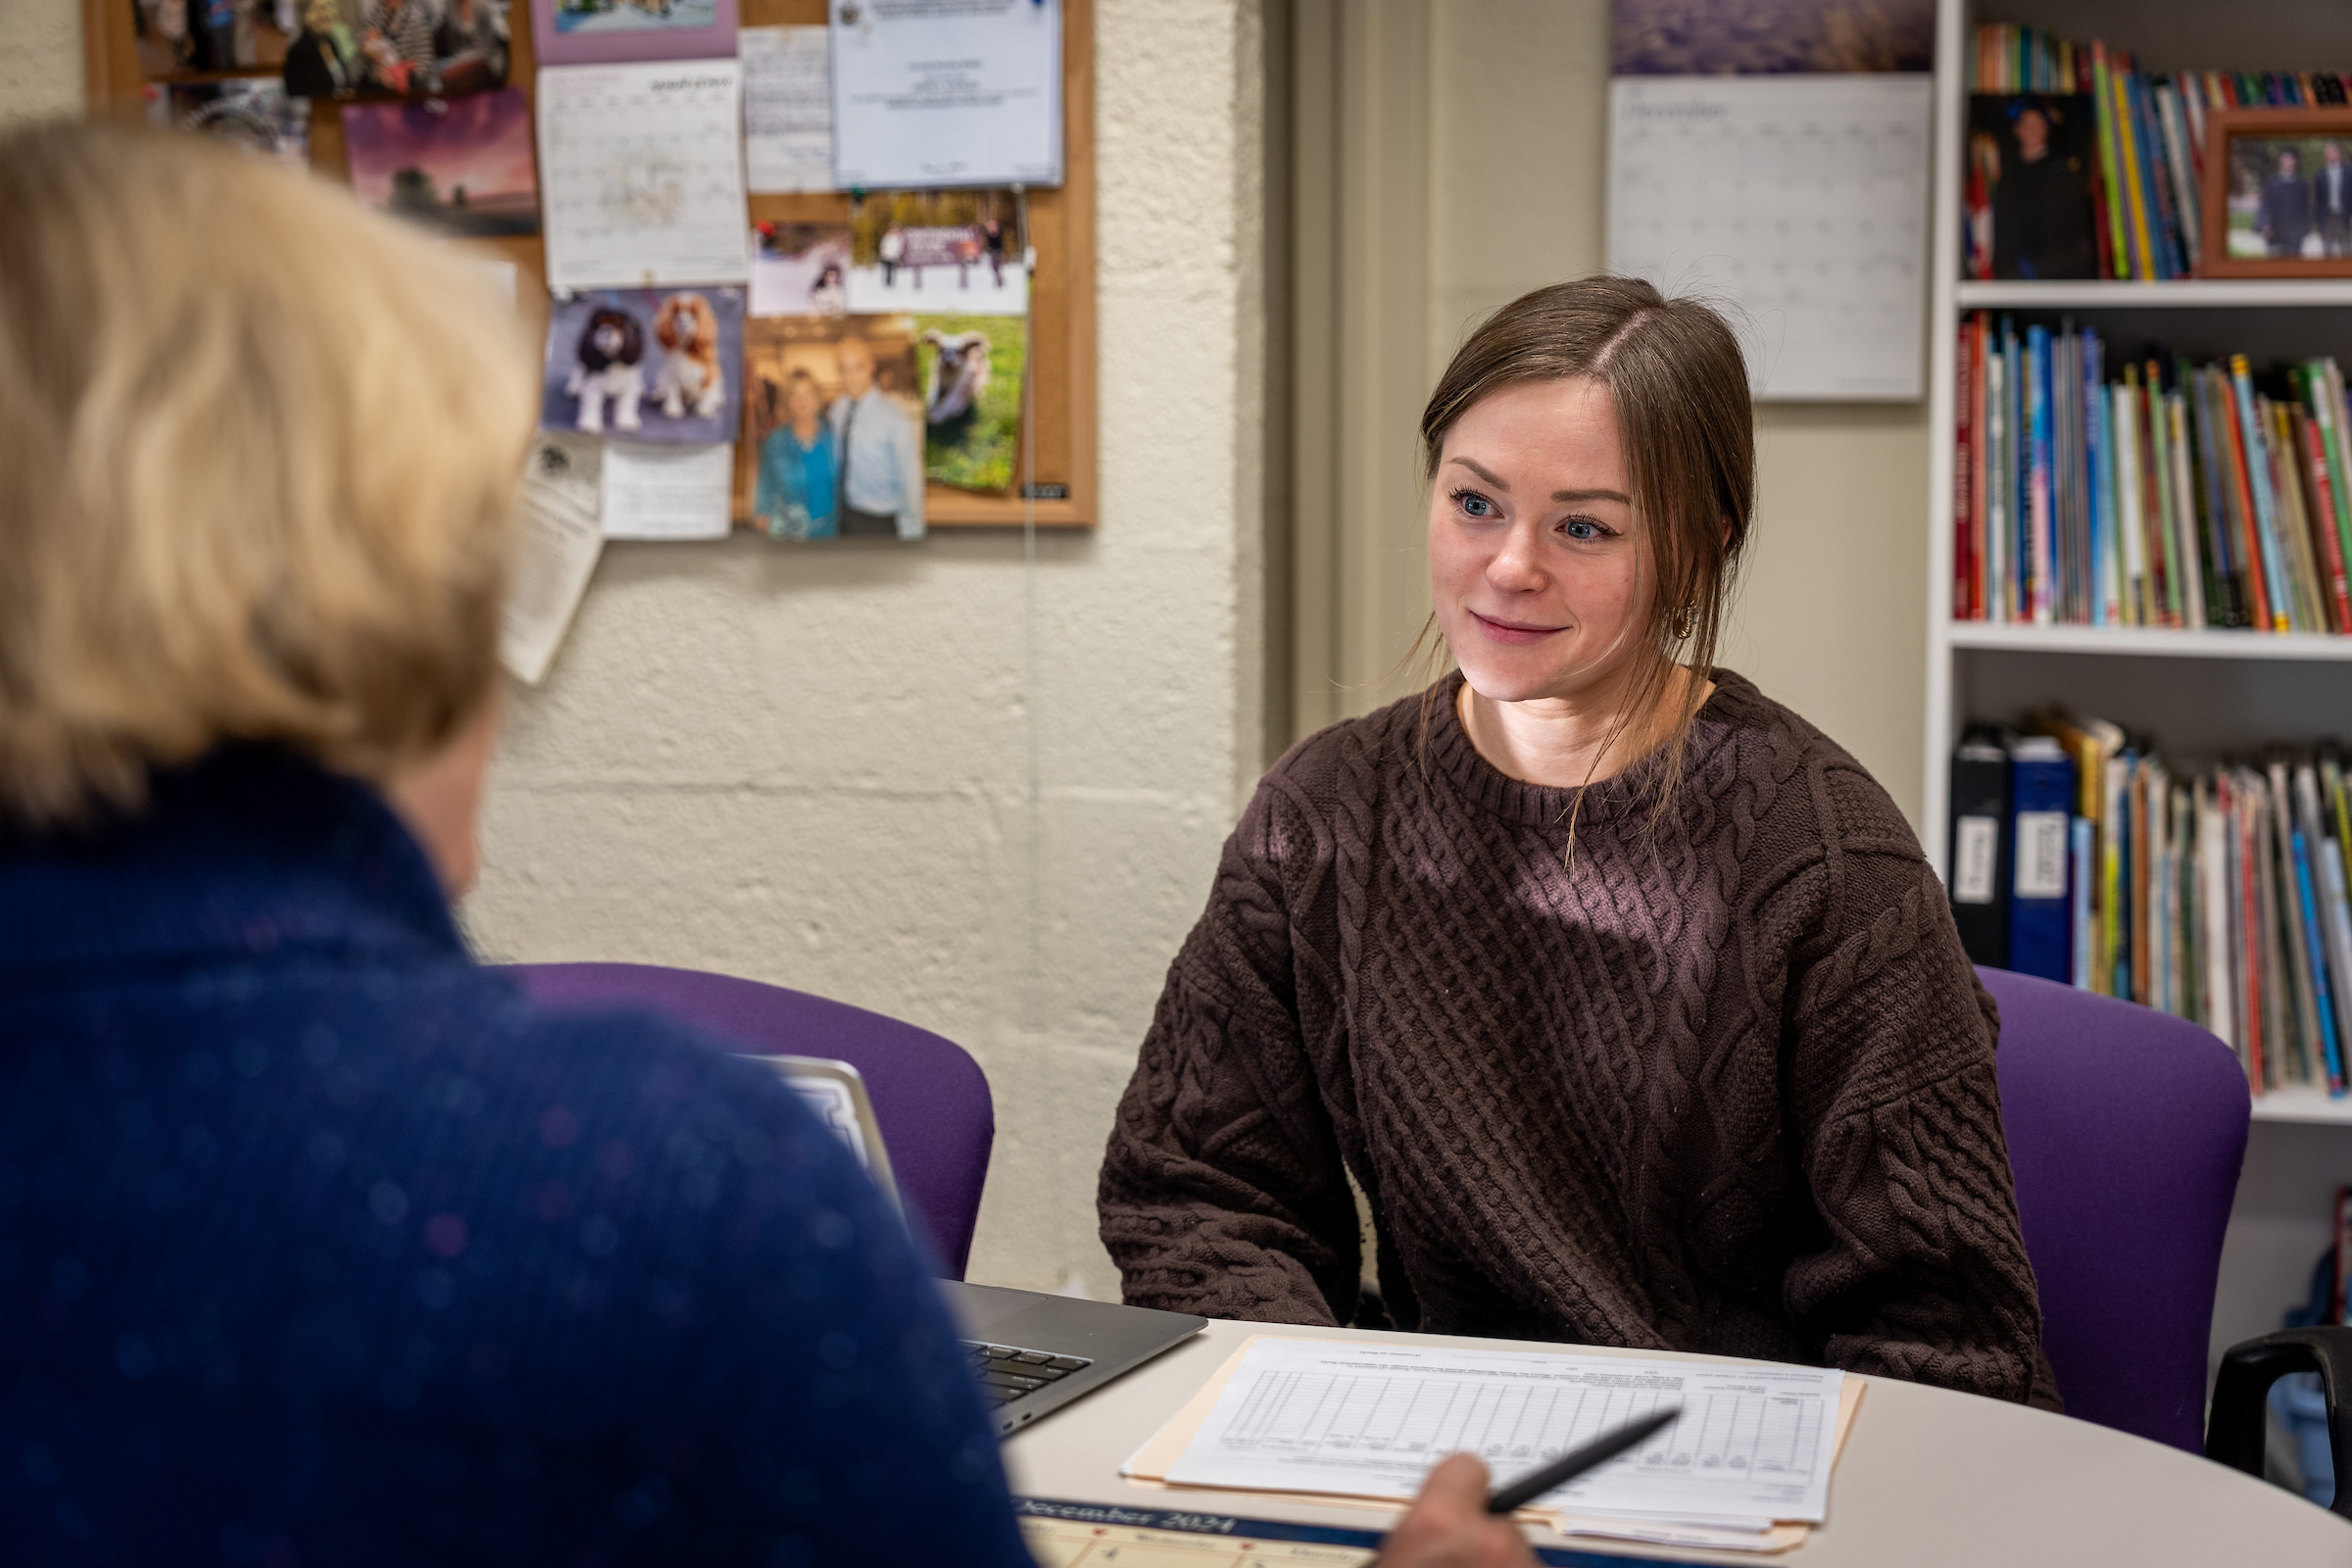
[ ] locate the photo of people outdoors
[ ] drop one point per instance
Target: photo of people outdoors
(800, 269)
(942, 250)
(2290, 197)
(2027, 195)
(330, 48)
(464, 166)
(181, 37)
(655, 364)
(971, 369)
(832, 425)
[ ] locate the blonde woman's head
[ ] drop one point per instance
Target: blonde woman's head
(257, 446)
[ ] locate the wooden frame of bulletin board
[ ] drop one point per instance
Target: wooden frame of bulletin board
(1061, 225)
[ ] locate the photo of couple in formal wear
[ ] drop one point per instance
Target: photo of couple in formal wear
(834, 427)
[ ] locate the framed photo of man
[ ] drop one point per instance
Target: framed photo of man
(2279, 193)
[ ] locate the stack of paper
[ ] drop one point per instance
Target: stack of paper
(1747, 1468)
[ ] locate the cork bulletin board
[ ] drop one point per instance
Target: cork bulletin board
(1059, 435)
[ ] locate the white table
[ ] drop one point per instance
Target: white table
(1927, 1477)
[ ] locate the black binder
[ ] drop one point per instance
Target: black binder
(1978, 848)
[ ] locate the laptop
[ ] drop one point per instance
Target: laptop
(1032, 1353)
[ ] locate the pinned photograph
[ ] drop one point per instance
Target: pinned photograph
(655, 364)
(1770, 37)
(833, 427)
(253, 112)
(600, 33)
(462, 166)
(404, 48)
(800, 269)
(971, 369)
(181, 37)
(957, 251)
(2028, 186)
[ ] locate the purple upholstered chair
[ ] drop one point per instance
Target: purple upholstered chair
(930, 1098)
(2126, 1127)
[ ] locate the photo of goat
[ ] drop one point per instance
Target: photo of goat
(655, 364)
(971, 369)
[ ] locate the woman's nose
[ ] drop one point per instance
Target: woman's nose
(1514, 564)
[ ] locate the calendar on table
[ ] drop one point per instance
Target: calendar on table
(1800, 203)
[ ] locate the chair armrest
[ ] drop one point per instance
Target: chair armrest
(2234, 1434)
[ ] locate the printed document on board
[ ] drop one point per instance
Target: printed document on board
(787, 109)
(928, 93)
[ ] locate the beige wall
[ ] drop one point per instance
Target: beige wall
(980, 793)
(40, 58)
(1833, 620)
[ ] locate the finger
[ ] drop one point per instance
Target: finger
(1457, 1481)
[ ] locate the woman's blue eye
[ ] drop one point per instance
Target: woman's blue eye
(1581, 528)
(1475, 505)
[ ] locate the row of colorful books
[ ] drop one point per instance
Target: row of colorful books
(2219, 896)
(2094, 490)
(2141, 137)
(2014, 58)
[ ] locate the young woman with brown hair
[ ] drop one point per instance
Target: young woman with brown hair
(1624, 994)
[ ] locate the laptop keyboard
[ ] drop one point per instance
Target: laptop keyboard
(1007, 1371)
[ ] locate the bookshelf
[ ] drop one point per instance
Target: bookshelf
(2202, 694)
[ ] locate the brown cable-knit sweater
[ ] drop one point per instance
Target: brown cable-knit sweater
(1725, 1087)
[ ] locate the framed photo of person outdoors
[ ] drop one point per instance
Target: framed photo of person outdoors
(2279, 193)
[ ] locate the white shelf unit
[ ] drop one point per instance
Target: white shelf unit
(2200, 694)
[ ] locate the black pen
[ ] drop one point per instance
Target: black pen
(1576, 1462)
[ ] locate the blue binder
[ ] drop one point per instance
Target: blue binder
(2042, 796)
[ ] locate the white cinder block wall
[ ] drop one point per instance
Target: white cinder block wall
(938, 782)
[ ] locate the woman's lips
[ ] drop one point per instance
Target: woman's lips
(1513, 632)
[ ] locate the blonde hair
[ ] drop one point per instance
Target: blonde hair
(258, 448)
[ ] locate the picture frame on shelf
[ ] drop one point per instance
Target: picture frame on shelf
(2279, 193)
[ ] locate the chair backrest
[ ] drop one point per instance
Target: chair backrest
(2127, 1128)
(931, 1099)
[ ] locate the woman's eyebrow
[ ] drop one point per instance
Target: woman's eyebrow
(1484, 472)
(1593, 495)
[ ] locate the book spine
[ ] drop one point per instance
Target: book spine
(2043, 548)
(2085, 938)
(2314, 958)
(1981, 553)
(2306, 609)
(2159, 498)
(1997, 491)
(2251, 978)
(2014, 480)
(2218, 493)
(2129, 525)
(2103, 111)
(2323, 522)
(2196, 574)
(2326, 385)
(1964, 404)
(2128, 160)
(2234, 425)
(2163, 224)
(2186, 201)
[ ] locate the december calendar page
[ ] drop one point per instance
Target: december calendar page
(641, 167)
(1800, 201)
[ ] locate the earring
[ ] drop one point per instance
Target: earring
(1683, 623)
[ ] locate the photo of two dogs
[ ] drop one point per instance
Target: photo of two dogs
(657, 364)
